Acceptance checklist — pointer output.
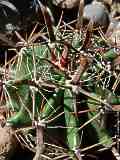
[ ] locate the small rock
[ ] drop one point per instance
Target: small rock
(8, 143)
(98, 13)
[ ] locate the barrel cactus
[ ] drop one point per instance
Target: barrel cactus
(64, 85)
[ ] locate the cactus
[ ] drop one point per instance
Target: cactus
(64, 78)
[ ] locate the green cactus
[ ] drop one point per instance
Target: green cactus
(54, 101)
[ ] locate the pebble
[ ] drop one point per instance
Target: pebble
(98, 13)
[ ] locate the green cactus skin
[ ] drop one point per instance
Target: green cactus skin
(73, 139)
(20, 99)
(24, 116)
(110, 55)
(20, 95)
(54, 103)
